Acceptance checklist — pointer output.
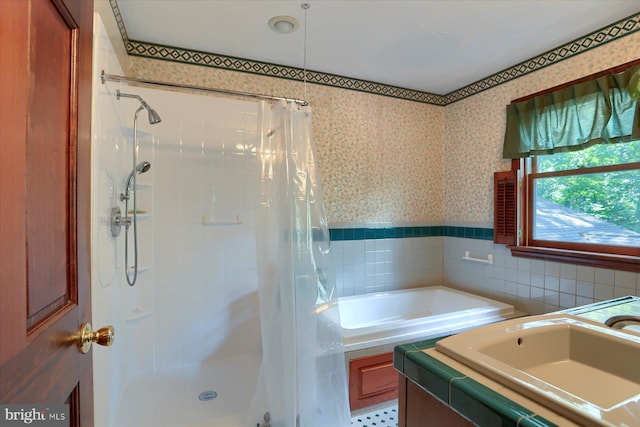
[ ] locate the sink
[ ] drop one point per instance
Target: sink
(581, 369)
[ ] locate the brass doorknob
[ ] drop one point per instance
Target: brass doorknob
(85, 336)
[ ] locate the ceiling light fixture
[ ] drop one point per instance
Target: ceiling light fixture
(283, 24)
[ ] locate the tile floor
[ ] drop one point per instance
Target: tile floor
(386, 416)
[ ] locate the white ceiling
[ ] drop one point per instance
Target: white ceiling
(435, 46)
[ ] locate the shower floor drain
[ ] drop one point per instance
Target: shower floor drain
(207, 395)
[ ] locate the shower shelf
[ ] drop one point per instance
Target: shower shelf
(143, 185)
(141, 216)
(137, 312)
(209, 220)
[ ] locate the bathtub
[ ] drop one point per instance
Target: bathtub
(397, 317)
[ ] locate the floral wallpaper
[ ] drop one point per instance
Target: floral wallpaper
(474, 128)
(384, 159)
(380, 158)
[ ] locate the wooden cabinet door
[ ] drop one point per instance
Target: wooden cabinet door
(45, 121)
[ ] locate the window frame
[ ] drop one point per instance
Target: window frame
(595, 255)
(586, 247)
(525, 246)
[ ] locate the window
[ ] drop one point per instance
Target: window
(578, 152)
(586, 200)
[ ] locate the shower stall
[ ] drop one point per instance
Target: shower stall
(227, 324)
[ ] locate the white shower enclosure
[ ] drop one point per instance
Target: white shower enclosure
(189, 347)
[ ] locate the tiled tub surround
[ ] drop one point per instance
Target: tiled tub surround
(372, 258)
(368, 266)
(376, 258)
(534, 286)
(478, 398)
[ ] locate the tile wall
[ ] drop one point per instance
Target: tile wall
(383, 257)
(366, 261)
(533, 285)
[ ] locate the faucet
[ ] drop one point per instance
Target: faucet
(619, 322)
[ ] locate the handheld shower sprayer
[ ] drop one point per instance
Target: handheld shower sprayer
(142, 167)
(116, 218)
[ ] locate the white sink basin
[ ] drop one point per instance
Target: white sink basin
(581, 369)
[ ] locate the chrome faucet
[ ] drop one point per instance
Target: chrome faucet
(619, 322)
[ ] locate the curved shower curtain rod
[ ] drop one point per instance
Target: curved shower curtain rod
(122, 79)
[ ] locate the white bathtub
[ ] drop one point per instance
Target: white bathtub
(421, 313)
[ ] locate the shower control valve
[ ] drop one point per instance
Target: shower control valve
(117, 221)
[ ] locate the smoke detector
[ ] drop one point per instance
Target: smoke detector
(283, 24)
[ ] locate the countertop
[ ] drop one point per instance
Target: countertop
(479, 398)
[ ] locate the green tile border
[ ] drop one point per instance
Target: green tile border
(478, 402)
(473, 400)
(614, 31)
(344, 234)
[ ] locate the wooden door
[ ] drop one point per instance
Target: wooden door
(45, 121)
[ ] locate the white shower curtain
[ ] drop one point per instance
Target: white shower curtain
(302, 376)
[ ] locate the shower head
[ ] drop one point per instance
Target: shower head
(154, 117)
(142, 167)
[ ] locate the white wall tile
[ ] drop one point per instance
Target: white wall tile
(625, 279)
(537, 280)
(585, 289)
(568, 271)
(604, 276)
(540, 285)
(567, 300)
(552, 283)
(551, 297)
(551, 268)
(567, 285)
(603, 292)
(586, 274)
(374, 265)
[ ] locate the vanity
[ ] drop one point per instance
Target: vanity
(561, 369)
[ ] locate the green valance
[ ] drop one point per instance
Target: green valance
(599, 111)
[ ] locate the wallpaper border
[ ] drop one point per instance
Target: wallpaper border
(614, 31)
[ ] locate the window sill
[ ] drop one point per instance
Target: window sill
(592, 259)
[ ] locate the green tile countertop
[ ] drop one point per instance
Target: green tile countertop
(478, 398)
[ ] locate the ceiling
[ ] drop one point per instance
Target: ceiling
(434, 46)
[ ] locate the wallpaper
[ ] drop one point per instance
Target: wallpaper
(474, 128)
(380, 158)
(383, 159)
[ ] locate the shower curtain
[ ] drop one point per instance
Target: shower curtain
(302, 376)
